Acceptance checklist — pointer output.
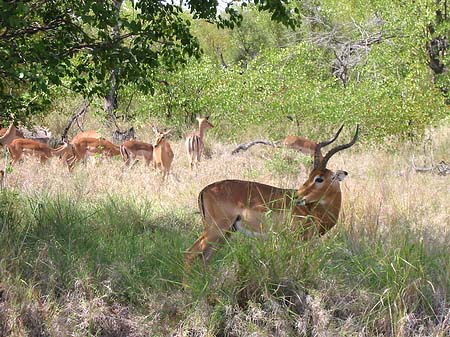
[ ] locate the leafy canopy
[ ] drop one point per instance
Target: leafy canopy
(76, 44)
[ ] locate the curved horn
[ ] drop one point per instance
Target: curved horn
(338, 148)
(317, 154)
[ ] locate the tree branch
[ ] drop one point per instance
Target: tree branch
(246, 146)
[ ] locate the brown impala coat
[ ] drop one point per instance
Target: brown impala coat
(134, 149)
(85, 147)
(21, 146)
(9, 135)
(301, 144)
(253, 208)
(162, 153)
(194, 141)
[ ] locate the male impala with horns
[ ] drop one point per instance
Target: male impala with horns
(237, 205)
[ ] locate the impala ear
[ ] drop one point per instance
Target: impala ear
(340, 175)
(155, 130)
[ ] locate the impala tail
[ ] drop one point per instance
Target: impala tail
(193, 145)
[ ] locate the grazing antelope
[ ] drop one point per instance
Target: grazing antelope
(20, 146)
(194, 141)
(19, 134)
(133, 149)
(68, 155)
(85, 147)
(86, 134)
(236, 205)
(301, 144)
(162, 152)
(9, 135)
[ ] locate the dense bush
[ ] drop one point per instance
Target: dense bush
(292, 83)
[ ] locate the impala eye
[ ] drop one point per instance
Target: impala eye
(318, 180)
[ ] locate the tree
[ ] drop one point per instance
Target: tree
(87, 45)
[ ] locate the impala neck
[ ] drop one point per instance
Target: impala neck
(326, 211)
(201, 130)
(160, 143)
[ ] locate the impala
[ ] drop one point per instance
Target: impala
(85, 147)
(301, 144)
(194, 141)
(19, 134)
(162, 152)
(20, 146)
(17, 146)
(9, 135)
(250, 207)
(86, 134)
(133, 149)
(68, 155)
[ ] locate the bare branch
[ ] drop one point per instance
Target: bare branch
(246, 146)
(75, 117)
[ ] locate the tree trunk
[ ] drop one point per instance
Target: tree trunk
(437, 46)
(111, 98)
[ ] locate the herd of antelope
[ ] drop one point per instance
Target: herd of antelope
(89, 143)
(225, 206)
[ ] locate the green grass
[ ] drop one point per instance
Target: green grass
(53, 243)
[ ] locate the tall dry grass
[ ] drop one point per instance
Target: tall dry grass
(369, 276)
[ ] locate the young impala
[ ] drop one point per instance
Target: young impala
(236, 205)
(162, 152)
(19, 134)
(194, 141)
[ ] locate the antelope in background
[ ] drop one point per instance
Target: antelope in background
(194, 141)
(9, 134)
(301, 144)
(131, 150)
(17, 146)
(69, 154)
(162, 152)
(85, 147)
(18, 133)
(21, 146)
(255, 208)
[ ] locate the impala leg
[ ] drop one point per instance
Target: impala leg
(205, 246)
(134, 163)
(13, 160)
(191, 161)
(165, 175)
(71, 162)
